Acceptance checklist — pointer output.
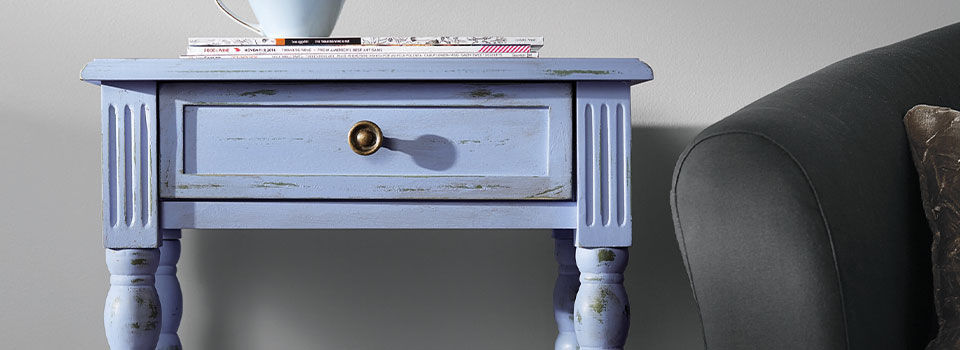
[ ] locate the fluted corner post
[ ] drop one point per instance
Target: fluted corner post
(602, 311)
(131, 230)
(565, 290)
(131, 315)
(168, 287)
(604, 224)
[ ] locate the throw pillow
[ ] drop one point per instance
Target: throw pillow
(934, 136)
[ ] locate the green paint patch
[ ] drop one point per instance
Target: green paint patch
(550, 190)
(579, 318)
(149, 326)
(154, 310)
(485, 93)
(137, 280)
(606, 255)
(465, 187)
(138, 262)
(267, 92)
(567, 72)
(599, 303)
(135, 325)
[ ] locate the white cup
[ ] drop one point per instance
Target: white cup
(291, 18)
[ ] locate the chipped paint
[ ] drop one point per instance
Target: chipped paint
(154, 310)
(138, 262)
(567, 72)
(276, 185)
(413, 189)
(554, 190)
(464, 142)
(592, 277)
(606, 255)
(268, 92)
(485, 93)
(115, 307)
(198, 186)
(137, 280)
(579, 318)
(465, 187)
(600, 301)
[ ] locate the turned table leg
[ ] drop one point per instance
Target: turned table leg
(168, 286)
(131, 315)
(602, 312)
(565, 290)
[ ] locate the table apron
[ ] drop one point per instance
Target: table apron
(369, 215)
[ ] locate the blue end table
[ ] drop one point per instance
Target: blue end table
(362, 144)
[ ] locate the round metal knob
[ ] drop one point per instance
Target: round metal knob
(365, 138)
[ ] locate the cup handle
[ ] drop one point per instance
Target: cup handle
(254, 27)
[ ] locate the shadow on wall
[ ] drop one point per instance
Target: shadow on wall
(430, 289)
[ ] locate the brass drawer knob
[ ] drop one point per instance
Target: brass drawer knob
(365, 138)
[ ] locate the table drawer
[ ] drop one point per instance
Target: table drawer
(440, 141)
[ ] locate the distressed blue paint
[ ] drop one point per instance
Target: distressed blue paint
(565, 289)
(443, 141)
(602, 311)
(369, 215)
(129, 169)
(603, 161)
(539, 106)
(168, 289)
(500, 69)
(131, 315)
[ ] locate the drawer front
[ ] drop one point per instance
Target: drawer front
(440, 141)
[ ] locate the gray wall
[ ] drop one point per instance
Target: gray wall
(385, 289)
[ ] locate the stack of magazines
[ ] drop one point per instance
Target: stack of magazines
(366, 47)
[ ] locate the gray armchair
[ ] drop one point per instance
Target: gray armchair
(799, 216)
